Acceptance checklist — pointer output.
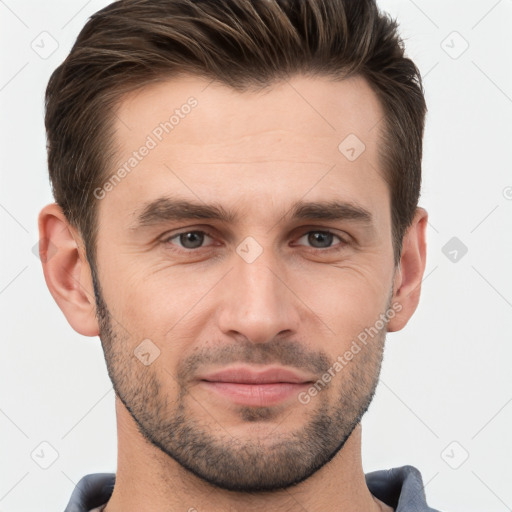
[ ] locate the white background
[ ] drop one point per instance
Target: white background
(446, 376)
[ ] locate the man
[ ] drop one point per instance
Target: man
(236, 217)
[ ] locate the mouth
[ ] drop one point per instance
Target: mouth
(255, 387)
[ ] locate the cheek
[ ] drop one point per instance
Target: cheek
(165, 307)
(345, 300)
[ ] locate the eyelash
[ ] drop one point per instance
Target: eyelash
(343, 242)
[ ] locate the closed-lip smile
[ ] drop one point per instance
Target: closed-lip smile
(246, 385)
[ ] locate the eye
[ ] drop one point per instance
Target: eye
(188, 239)
(322, 239)
(191, 240)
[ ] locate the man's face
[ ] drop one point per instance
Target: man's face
(271, 287)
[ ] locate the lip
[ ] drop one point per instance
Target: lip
(260, 388)
(247, 375)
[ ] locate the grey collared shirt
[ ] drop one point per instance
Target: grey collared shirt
(400, 488)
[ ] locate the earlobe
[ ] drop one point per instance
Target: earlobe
(66, 270)
(409, 275)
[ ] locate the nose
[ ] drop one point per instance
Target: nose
(257, 302)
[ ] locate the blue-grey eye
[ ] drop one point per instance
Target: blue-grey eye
(320, 239)
(190, 239)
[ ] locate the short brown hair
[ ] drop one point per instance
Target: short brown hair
(244, 44)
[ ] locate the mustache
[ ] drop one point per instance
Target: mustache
(283, 352)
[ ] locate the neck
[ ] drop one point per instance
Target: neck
(148, 479)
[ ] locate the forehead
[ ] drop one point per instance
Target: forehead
(300, 136)
(305, 105)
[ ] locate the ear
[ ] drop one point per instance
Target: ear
(66, 270)
(409, 274)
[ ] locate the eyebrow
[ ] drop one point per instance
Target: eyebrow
(165, 209)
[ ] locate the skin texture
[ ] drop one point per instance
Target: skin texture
(299, 304)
